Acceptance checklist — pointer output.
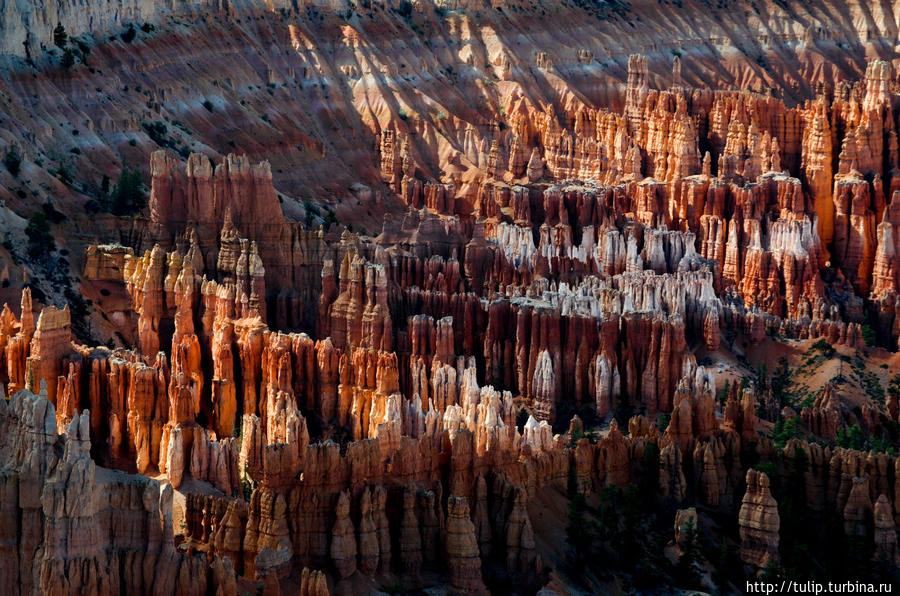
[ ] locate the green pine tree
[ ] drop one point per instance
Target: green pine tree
(60, 38)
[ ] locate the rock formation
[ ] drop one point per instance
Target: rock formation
(758, 522)
(420, 267)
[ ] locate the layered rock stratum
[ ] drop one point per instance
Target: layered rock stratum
(417, 285)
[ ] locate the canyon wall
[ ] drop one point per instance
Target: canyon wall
(545, 231)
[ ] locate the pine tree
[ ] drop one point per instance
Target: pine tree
(577, 533)
(59, 36)
(127, 196)
(68, 59)
(688, 562)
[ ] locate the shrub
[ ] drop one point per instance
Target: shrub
(785, 430)
(13, 161)
(59, 36)
(85, 48)
(40, 240)
(64, 176)
(823, 346)
(128, 196)
(208, 105)
(55, 216)
(662, 422)
(868, 335)
(129, 34)
(157, 132)
(578, 532)
(68, 58)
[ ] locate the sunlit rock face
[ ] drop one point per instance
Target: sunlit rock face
(411, 277)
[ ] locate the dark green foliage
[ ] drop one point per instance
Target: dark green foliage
(129, 34)
(157, 132)
(312, 211)
(577, 432)
(128, 195)
(395, 588)
(622, 413)
(147, 28)
(405, 9)
(762, 375)
(649, 470)
(823, 346)
(785, 430)
(68, 58)
(780, 381)
(40, 240)
(59, 36)
(687, 571)
(84, 48)
(578, 532)
(868, 335)
(894, 386)
(104, 185)
(13, 161)
(773, 573)
(662, 422)
(208, 105)
(720, 573)
(722, 395)
(330, 219)
(64, 176)
(52, 214)
(851, 438)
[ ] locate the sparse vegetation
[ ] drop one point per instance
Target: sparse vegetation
(68, 58)
(60, 37)
(129, 34)
(851, 438)
(128, 195)
(40, 240)
(785, 430)
(868, 335)
(13, 161)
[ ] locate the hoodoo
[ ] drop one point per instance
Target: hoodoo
(448, 297)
